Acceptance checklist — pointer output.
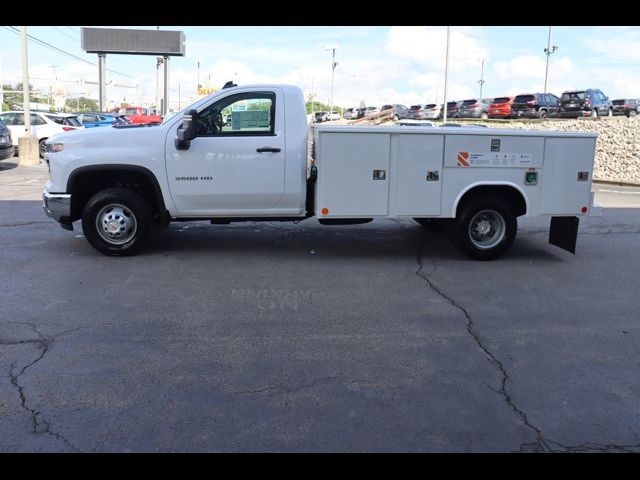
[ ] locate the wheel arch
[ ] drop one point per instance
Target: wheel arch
(84, 182)
(508, 190)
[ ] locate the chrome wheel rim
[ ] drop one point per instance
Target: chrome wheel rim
(116, 224)
(487, 229)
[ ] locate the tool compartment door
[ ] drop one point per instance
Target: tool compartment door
(353, 175)
(563, 190)
(418, 182)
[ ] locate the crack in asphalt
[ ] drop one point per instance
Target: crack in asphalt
(282, 389)
(542, 443)
(40, 426)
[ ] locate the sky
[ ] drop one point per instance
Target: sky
(376, 65)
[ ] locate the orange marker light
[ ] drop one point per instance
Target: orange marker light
(325, 211)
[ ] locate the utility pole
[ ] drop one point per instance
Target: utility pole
(481, 81)
(334, 64)
(312, 102)
(446, 77)
(548, 51)
(27, 144)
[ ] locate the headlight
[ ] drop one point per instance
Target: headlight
(55, 147)
(5, 139)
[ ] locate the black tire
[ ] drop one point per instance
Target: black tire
(476, 211)
(118, 206)
(542, 113)
(632, 113)
(610, 113)
(42, 147)
(594, 112)
(484, 115)
(433, 224)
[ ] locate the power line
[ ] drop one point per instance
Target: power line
(64, 33)
(59, 50)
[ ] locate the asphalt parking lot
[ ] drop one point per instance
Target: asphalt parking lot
(282, 337)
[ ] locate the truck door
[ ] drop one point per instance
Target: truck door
(235, 165)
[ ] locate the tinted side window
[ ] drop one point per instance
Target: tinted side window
(37, 120)
(241, 114)
(8, 118)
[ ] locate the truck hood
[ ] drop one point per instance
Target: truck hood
(110, 136)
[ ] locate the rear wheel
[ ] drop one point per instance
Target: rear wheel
(542, 114)
(610, 113)
(42, 147)
(117, 221)
(594, 112)
(484, 115)
(485, 229)
(632, 113)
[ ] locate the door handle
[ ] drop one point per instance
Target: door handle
(267, 149)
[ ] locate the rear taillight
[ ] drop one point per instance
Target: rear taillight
(531, 102)
(66, 129)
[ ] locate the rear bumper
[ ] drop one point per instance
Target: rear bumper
(58, 207)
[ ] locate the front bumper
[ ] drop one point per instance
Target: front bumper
(58, 207)
(7, 152)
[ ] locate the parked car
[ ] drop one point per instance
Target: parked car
(6, 144)
(332, 116)
(425, 111)
(626, 106)
(474, 108)
(350, 114)
(453, 109)
(399, 111)
(535, 105)
(43, 125)
(368, 111)
(97, 119)
(320, 117)
(500, 107)
(140, 115)
(360, 112)
(590, 102)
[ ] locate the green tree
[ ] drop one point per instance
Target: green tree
(13, 96)
(81, 104)
(323, 107)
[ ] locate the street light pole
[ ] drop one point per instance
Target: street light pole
(548, 51)
(481, 81)
(446, 78)
(333, 49)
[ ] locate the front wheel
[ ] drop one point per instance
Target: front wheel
(117, 221)
(42, 147)
(486, 228)
(610, 113)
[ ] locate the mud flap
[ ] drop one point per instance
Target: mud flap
(563, 233)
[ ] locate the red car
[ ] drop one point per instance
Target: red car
(140, 115)
(500, 107)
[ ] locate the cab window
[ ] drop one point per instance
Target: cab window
(251, 114)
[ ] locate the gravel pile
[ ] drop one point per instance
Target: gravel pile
(617, 147)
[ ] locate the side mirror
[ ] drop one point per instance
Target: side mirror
(188, 130)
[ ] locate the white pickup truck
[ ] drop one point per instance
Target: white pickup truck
(264, 163)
